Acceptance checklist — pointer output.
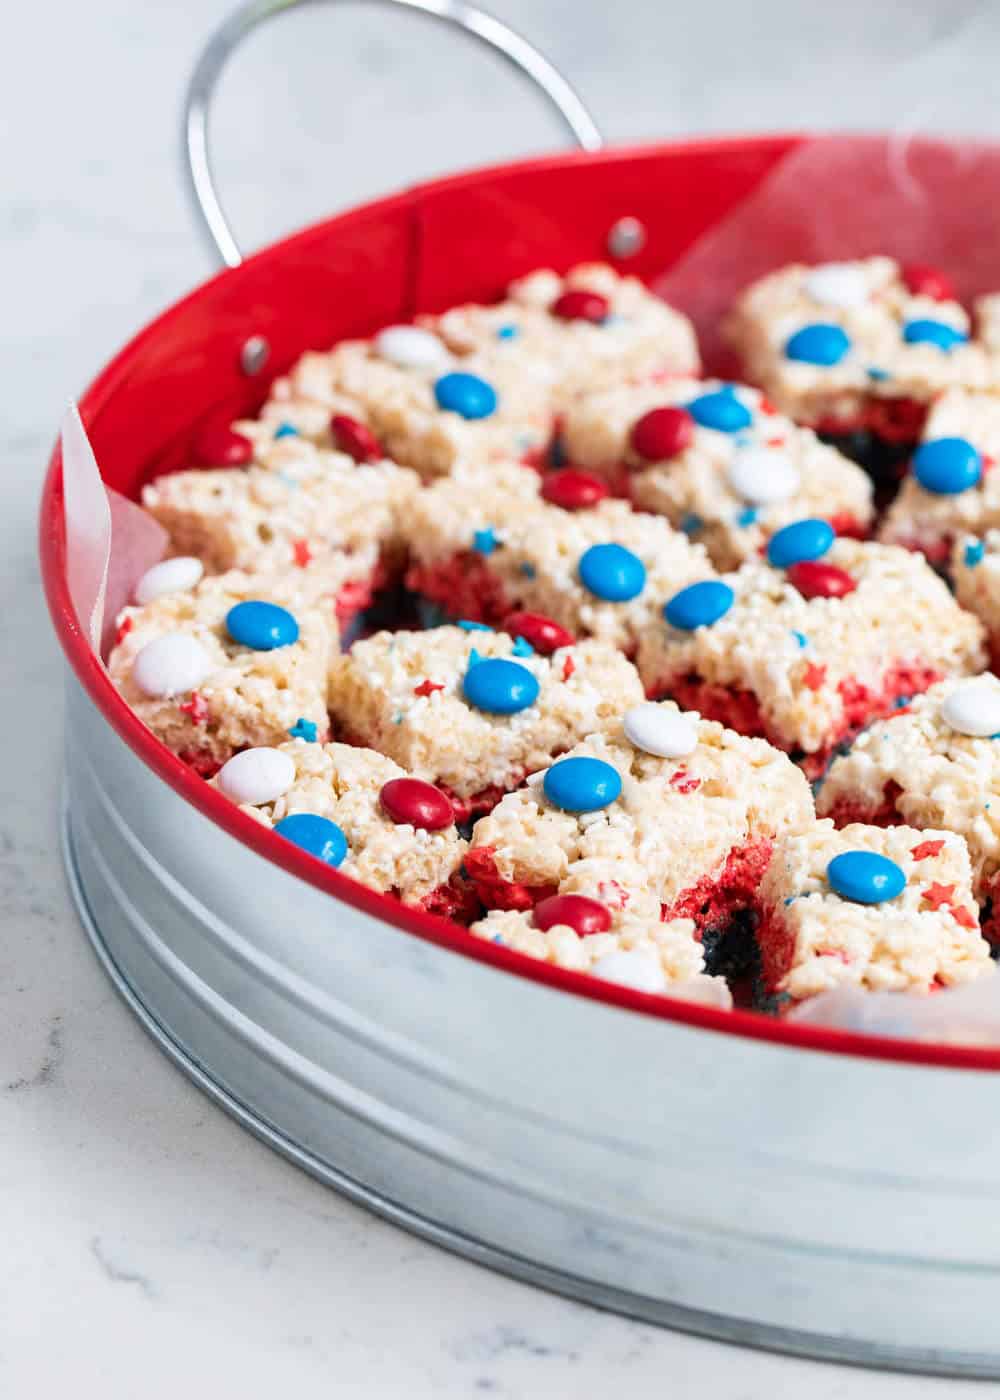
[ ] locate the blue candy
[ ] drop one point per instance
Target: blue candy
(261, 626)
(947, 466)
(699, 605)
(806, 539)
(612, 572)
(939, 333)
(319, 836)
(499, 686)
(465, 394)
(864, 877)
(582, 784)
(722, 411)
(818, 344)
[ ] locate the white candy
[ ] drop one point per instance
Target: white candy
(632, 967)
(837, 284)
(763, 475)
(172, 576)
(973, 709)
(170, 665)
(658, 730)
(409, 347)
(257, 775)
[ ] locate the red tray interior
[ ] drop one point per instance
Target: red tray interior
(458, 239)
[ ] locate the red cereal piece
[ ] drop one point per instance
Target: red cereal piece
(573, 490)
(538, 631)
(813, 676)
(301, 553)
(683, 781)
(926, 849)
(427, 687)
(925, 281)
(196, 707)
(217, 446)
(662, 433)
(936, 895)
(355, 438)
(581, 305)
(569, 666)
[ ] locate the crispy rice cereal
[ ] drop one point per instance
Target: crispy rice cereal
(930, 521)
(337, 525)
(247, 698)
(641, 337)
(809, 673)
(481, 546)
(811, 939)
(729, 491)
(402, 693)
(917, 769)
(690, 835)
(672, 949)
(975, 568)
(343, 783)
(878, 366)
(399, 406)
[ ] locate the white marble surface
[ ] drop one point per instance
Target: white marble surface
(147, 1246)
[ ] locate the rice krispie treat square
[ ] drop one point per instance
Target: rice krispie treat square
(934, 765)
(975, 570)
(646, 954)
(584, 330)
(951, 487)
(335, 525)
(232, 661)
(666, 811)
(884, 909)
(858, 346)
(484, 546)
(414, 400)
(808, 649)
(473, 710)
(355, 809)
(717, 461)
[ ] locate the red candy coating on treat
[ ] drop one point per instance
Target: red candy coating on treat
(574, 490)
(924, 281)
(581, 305)
(662, 433)
(217, 446)
(538, 631)
(412, 802)
(354, 438)
(814, 579)
(578, 911)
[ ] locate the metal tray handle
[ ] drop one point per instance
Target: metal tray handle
(231, 33)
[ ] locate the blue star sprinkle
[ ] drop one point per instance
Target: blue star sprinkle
(522, 648)
(285, 430)
(484, 541)
(303, 729)
(974, 552)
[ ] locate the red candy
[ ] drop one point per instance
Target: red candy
(924, 281)
(221, 447)
(662, 433)
(582, 914)
(355, 439)
(581, 305)
(814, 579)
(574, 490)
(412, 802)
(538, 631)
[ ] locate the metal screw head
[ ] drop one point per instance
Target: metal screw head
(254, 355)
(626, 236)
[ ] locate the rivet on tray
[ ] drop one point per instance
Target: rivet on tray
(254, 354)
(626, 236)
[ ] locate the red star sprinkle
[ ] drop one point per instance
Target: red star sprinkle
(775, 442)
(427, 687)
(683, 781)
(302, 552)
(766, 406)
(987, 463)
(927, 848)
(124, 628)
(196, 707)
(813, 676)
(962, 916)
(569, 666)
(936, 895)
